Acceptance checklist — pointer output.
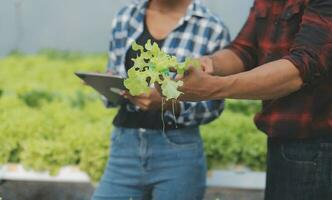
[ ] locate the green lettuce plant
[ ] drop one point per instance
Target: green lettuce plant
(153, 66)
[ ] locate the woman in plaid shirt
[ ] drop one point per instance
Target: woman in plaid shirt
(145, 161)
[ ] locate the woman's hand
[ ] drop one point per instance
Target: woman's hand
(146, 102)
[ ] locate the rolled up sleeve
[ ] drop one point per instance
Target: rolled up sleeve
(311, 52)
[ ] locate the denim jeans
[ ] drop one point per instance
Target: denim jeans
(150, 164)
(299, 169)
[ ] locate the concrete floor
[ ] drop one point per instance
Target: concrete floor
(22, 190)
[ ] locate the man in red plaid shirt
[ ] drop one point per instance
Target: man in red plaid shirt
(283, 56)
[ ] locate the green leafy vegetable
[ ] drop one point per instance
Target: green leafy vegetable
(169, 88)
(153, 66)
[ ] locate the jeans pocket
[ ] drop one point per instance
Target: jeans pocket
(300, 153)
(116, 134)
(293, 171)
(183, 138)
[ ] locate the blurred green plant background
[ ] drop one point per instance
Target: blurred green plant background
(48, 119)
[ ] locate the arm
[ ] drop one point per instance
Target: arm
(226, 63)
(269, 81)
(307, 60)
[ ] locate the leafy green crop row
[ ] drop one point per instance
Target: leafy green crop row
(48, 119)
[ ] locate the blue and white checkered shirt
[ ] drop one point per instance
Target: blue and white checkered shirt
(198, 33)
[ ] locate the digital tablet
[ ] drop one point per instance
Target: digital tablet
(107, 85)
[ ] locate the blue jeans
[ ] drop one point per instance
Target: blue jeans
(149, 164)
(299, 169)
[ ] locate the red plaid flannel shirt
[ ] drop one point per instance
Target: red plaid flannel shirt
(301, 32)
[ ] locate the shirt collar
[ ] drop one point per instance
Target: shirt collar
(196, 9)
(142, 4)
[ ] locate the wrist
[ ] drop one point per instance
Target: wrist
(219, 87)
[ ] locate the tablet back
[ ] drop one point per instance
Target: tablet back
(107, 85)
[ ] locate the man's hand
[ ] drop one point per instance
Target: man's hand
(146, 102)
(198, 85)
(207, 64)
